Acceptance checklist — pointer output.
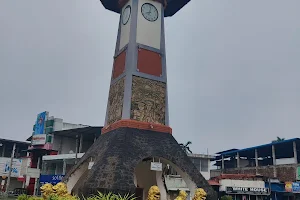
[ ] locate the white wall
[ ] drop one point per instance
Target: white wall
(285, 161)
(148, 33)
(145, 177)
(206, 175)
(125, 29)
(67, 126)
(240, 183)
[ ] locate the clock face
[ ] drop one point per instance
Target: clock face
(126, 15)
(149, 12)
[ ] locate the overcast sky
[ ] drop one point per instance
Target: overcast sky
(233, 68)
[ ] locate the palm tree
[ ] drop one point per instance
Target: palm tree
(278, 139)
(185, 147)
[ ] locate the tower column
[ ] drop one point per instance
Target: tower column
(138, 89)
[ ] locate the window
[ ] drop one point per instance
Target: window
(201, 164)
(204, 165)
(196, 162)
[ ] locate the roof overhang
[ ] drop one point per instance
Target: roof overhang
(171, 6)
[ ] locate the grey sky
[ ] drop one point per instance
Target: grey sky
(233, 68)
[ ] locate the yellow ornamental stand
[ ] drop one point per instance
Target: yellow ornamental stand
(153, 193)
(182, 195)
(200, 194)
(46, 190)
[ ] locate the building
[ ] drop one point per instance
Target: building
(277, 161)
(45, 125)
(242, 186)
(19, 163)
(174, 182)
(202, 163)
(69, 146)
(42, 143)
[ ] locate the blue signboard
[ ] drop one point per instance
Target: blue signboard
(40, 123)
(53, 179)
(296, 187)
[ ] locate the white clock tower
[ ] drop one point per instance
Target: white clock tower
(137, 135)
(139, 80)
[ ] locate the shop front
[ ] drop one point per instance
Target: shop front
(248, 193)
(244, 189)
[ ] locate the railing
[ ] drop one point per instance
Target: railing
(285, 172)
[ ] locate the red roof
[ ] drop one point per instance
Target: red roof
(213, 182)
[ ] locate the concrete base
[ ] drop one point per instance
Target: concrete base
(121, 155)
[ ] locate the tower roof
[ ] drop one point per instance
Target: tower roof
(172, 7)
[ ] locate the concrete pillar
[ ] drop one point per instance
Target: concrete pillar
(80, 143)
(16, 153)
(10, 168)
(223, 164)
(3, 151)
(36, 184)
(64, 167)
(238, 160)
(274, 160)
(95, 138)
(295, 152)
(256, 161)
(76, 153)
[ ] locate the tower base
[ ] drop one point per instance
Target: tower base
(122, 164)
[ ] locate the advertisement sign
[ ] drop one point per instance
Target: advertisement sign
(298, 173)
(247, 190)
(5, 167)
(38, 139)
(53, 179)
(292, 187)
(156, 166)
(40, 123)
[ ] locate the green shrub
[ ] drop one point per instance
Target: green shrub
(34, 198)
(111, 196)
(23, 197)
(227, 197)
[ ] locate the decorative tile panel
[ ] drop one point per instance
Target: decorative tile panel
(115, 101)
(148, 100)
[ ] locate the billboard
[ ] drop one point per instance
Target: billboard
(40, 123)
(292, 187)
(38, 136)
(5, 167)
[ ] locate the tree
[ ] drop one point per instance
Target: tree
(185, 147)
(278, 139)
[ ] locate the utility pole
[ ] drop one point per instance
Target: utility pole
(76, 154)
(10, 169)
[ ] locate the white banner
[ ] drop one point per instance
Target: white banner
(38, 139)
(4, 167)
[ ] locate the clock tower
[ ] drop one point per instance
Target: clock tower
(136, 147)
(138, 89)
